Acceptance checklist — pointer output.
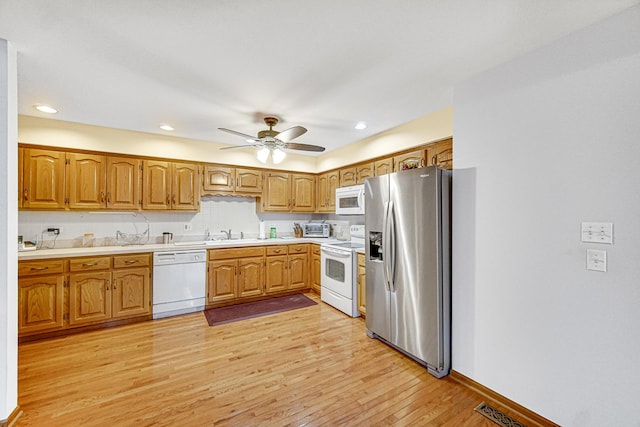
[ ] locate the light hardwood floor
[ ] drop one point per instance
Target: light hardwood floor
(308, 367)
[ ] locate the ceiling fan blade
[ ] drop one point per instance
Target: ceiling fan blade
(238, 146)
(303, 147)
(291, 133)
(244, 135)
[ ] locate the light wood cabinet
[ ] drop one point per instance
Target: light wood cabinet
(326, 191)
(362, 287)
(363, 172)
(411, 160)
(315, 269)
(348, 176)
(170, 186)
(40, 296)
(303, 192)
(20, 175)
(234, 273)
(287, 267)
(441, 154)
(123, 183)
(383, 167)
(223, 180)
(60, 294)
(284, 192)
(86, 181)
(43, 179)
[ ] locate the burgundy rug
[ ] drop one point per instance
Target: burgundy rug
(248, 310)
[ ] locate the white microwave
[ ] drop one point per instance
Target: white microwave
(350, 200)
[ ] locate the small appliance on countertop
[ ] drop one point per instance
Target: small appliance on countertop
(25, 245)
(316, 229)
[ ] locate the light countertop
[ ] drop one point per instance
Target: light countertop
(178, 246)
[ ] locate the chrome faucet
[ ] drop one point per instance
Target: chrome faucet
(227, 233)
(241, 235)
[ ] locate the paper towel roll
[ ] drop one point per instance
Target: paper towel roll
(263, 231)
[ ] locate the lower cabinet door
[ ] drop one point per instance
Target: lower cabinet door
(221, 281)
(130, 291)
(89, 297)
(40, 304)
(250, 277)
(298, 271)
(276, 277)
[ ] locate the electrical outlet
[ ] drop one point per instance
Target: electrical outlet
(54, 230)
(188, 227)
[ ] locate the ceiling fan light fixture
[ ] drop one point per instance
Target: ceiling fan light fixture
(278, 156)
(263, 154)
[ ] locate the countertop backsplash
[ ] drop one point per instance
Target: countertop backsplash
(217, 213)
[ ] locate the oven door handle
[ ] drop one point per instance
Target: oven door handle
(337, 253)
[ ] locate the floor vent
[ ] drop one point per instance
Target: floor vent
(497, 417)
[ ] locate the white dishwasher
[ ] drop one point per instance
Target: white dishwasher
(179, 282)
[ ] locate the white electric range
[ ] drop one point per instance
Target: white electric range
(339, 272)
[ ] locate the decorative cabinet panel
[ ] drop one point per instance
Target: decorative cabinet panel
(86, 183)
(20, 175)
(130, 292)
(326, 190)
(383, 167)
(170, 186)
(298, 271)
(89, 297)
(221, 281)
(303, 192)
(40, 303)
(363, 172)
(248, 181)
(276, 274)
(250, 277)
(348, 176)
(43, 179)
(123, 183)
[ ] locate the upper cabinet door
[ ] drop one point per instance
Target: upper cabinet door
(303, 193)
(333, 182)
(86, 181)
(363, 172)
(156, 185)
(218, 179)
(348, 176)
(441, 154)
(383, 167)
(276, 196)
(43, 179)
(123, 183)
(248, 181)
(322, 192)
(412, 160)
(20, 175)
(185, 192)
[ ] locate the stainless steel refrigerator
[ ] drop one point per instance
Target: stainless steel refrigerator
(408, 264)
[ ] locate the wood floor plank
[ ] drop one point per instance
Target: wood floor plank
(308, 367)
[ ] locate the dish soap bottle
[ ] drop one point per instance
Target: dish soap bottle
(272, 233)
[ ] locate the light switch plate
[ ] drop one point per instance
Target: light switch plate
(596, 260)
(597, 232)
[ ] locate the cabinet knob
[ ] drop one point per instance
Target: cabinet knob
(26, 194)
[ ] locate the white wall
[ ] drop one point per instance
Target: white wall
(8, 235)
(541, 144)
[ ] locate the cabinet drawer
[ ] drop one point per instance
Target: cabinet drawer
(90, 264)
(45, 266)
(230, 253)
(276, 250)
(298, 249)
(135, 260)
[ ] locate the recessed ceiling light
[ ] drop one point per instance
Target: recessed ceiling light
(45, 109)
(361, 125)
(166, 127)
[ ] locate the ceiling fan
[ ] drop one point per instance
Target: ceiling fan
(272, 143)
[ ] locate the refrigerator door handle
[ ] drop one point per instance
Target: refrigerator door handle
(392, 247)
(385, 246)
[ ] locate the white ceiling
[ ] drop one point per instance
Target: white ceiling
(322, 64)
